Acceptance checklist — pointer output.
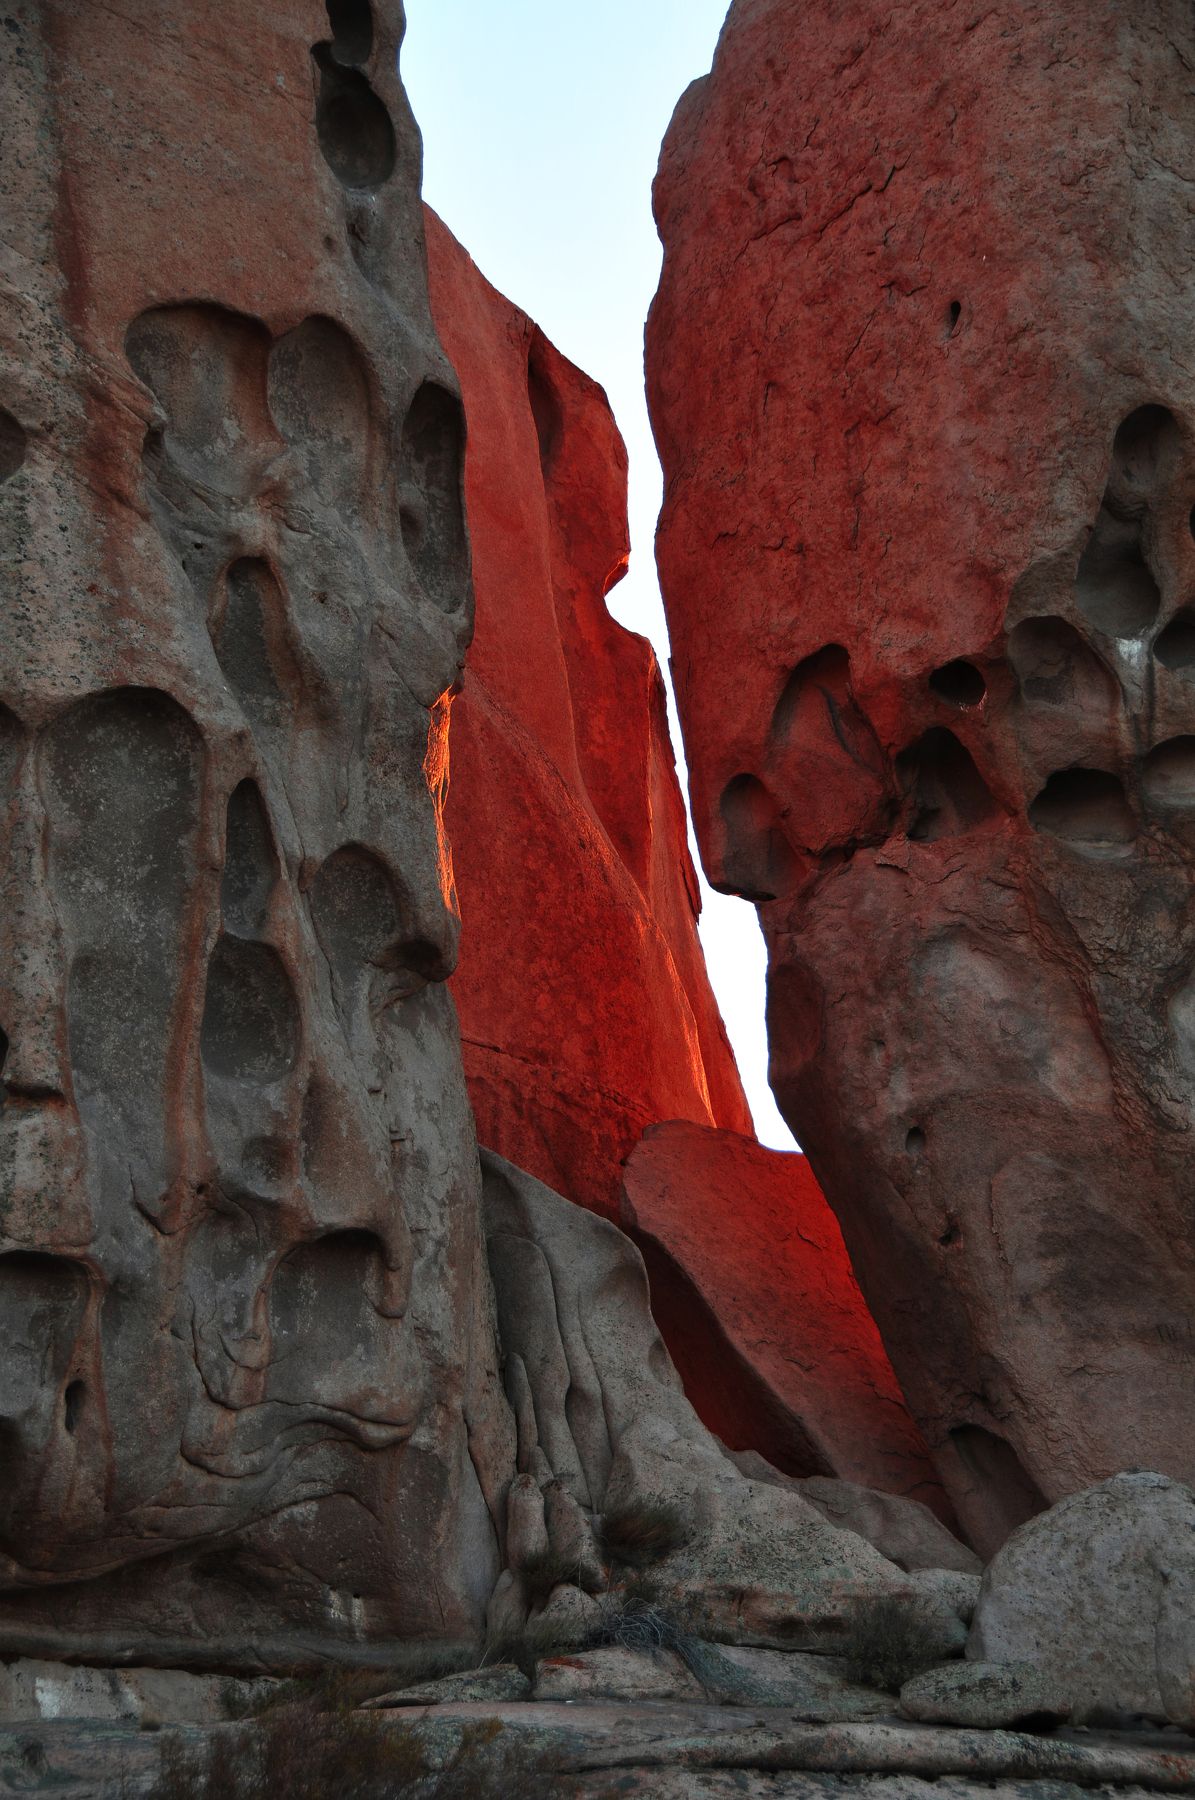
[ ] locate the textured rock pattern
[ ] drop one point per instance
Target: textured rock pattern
(1098, 1595)
(604, 1426)
(239, 1245)
(918, 376)
(586, 1013)
(753, 1291)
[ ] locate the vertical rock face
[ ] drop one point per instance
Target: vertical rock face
(919, 377)
(239, 1241)
(754, 1293)
(586, 1012)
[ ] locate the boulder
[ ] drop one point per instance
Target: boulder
(928, 569)
(1098, 1595)
(570, 846)
(992, 1696)
(753, 1291)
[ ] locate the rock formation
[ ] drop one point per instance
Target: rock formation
(263, 1402)
(754, 1294)
(586, 1013)
(241, 1281)
(603, 1423)
(918, 377)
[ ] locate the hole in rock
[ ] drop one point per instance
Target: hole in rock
(250, 1028)
(951, 1236)
(13, 444)
(1138, 445)
(1116, 588)
(250, 866)
(72, 1404)
(324, 1305)
(254, 612)
(824, 676)
(1055, 667)
(1011, 1493)
(121, 774)
(353, 127)
(358, 915)
(959, 683)
(1084, 806)
(953, 315)
(948, 795)
(318, 385)
(433, 442)
(43, 1299)
(914, 1140)
(1168, 778)
(1191, 522)
(757, 859)
(1175, 646)
(352, 30)
(204, 366)
(545, 409)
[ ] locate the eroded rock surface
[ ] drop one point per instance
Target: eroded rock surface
(754, 1293)
(604, 1428)
(586, 1012)
(240, 1275)
(916, 374)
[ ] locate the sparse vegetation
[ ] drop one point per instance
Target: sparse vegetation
(339, 1689)
(889, 1640)
(299, 1753)
(547, 1570)
(643, 1532)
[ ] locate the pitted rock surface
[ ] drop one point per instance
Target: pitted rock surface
(240, 1275)
(928, 432)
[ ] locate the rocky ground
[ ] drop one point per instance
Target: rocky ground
(587, 1747)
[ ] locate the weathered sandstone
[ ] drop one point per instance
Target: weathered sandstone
(918, 374)
(586, 1012)
(243, 1389)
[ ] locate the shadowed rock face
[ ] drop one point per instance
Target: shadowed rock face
(757, 1302)
(929, 438)
(239, 1248)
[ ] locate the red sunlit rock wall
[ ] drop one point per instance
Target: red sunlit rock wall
(586, 1013)
(919, 373)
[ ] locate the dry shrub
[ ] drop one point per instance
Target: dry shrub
(302, 1754)
(339, 1689)
(644, 1532)
(547, 1570)
(889, 1640)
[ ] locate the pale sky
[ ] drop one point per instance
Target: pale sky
(542, 122)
